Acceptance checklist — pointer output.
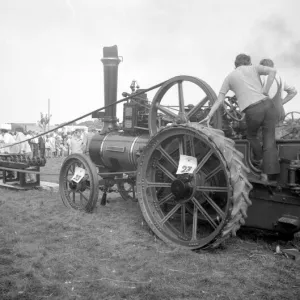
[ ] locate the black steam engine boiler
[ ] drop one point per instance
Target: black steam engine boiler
(194, 184)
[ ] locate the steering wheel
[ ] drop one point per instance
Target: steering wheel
(232, 109)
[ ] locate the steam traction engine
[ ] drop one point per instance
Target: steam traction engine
(192, 182)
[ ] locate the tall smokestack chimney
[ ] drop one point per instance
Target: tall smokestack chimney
(110, 62)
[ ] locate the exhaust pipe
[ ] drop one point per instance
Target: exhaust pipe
(110, 62)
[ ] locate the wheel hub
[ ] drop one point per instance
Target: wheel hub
(72, 185)
(80, 186)
(182, 188)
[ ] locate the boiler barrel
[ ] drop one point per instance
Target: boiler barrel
(116, 151)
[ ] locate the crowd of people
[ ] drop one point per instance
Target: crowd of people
(52, 145)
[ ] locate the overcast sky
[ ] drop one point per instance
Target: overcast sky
(53, 48)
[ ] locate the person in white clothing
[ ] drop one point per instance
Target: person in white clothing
(1, 143)
(24, 148)
(8, 140)
(28, 135)
(52, 144)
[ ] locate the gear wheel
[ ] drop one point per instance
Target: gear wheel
(237, 188)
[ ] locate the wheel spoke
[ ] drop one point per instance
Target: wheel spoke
(192, 146)
(195, 223)
(165, 171)
(165, 199)
(183, 219)
(170, 214)
(72, 169)
(204, 213)
(81, 194)
(69, 180)
(206, 188)
(181, 99)
(168, 157)
(227, 104)
(195, 109)
(158, 184)
(239, 114)
(214, 205)
(181, 146)
(213, 172)
(166, 111)
(204, 160)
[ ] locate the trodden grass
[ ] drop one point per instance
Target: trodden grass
(50, 252)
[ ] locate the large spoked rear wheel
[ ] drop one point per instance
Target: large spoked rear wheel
(84, 194)
(197, 210)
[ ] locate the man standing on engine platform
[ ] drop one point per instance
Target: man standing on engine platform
(282, 86)
(259, 110)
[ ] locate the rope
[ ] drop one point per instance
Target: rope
(52, 174)
(87, 114)
(26, 171)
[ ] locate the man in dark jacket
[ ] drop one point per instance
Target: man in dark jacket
(42, 146)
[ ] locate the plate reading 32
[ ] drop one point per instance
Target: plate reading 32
(187, 164)
(78, 174)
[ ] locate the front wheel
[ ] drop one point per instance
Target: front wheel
(82, 195)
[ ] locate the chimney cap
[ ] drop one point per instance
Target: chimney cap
(110, 51)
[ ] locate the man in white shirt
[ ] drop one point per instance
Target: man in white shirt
(29, 136)
(68, 143)
(8, 139)
(24, 147)
(77, 143)
(52, 144)
(278, 98)
(87, 137)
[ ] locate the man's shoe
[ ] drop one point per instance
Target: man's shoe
(271, 179)
(264, 177)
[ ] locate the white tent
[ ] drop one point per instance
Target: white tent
(5, 126)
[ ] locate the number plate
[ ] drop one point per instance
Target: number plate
(187, 164)
(78, 175)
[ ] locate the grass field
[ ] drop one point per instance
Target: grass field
(50, 252)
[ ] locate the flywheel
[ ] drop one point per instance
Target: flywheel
(200, 209)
